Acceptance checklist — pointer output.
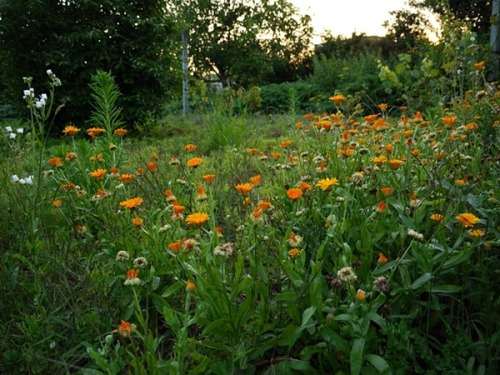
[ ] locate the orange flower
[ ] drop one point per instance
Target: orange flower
(178, 208)
(286, 143)
(244, 188)
(437, 218)
(304, 186)
(56, 162)
(175, 246)
(379, 159)
(460, 182)
(152, 166)
(137, 221)
(197, 218)
(396, 163)
(275, 155)
(449, 120)
(255, 180)
(382, 259)
(120, 132)
(125, 329)
(467, 219)
(387, 190)
(94, 132)
(70, 130)
(201, 193)
(327, 183)
(218, 231)
(346, 152)
(476, 233)
(69, 186)
(361, 295)
(252, 151)
(208, 178)
(471, 126)
(381, 206)
(132, 277)
(57, 203)
(382, 106)
(265, 205)
(126, 177)
(70, 156)
(337, 99)
(256, 214)
(190, 147)
(98, 174)
(294, 193)
(131, 203)
(293, 253)
(480, 65)
(190, 286)
(194, 162)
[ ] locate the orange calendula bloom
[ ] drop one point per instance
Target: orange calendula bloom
(190, 147)
(98, 174)
(381, 206)
(120, 132)
(286, 143)
(304, 186)
(265, 205)
(175, 246)
(327, 183)
(337, 99)
(125, 329)
(131, 203)
(70, 156)
(190, 286)
(178, 208)
(361, 295)
(152, 166)
(244, 188)
(57, 203)
(480, 65)
(293, 253)
(137, 221)
(437, 217)
(294, 193)
(379, 159)
(382, 259)
(467, 219)
(56, 162)
(476, 233)
(275, 155)
(94, 132)
(70, 130)
(256, 215)
(252, 151)
(396, 163)
(197, 218)
(255, 180)
(449, 120)
(382, 106)
(208, 178)
(126, 177)
(387, 190)
(201, 193)
(460, 182)
(69, 186)
(194, 162)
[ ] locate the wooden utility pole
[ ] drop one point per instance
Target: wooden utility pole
(495, 39)
(185, 95)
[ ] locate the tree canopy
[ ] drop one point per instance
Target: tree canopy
(131, 39)
(245, 41)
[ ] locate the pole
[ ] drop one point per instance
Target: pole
(495, 39)
(185, 96)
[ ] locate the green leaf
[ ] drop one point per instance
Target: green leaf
(333, 338)
(379, 363)
(356, 357)
(446, 289)
(421, 280)
(307, 315)
(459, 258)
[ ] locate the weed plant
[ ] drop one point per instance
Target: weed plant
(333, 243)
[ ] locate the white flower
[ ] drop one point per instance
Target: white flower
(43, 97)
(20, 130)
(8, 129)
(347, 274)
(49, 72)
(14, 178)
(26, 181)
(415, 234)
(12, 135)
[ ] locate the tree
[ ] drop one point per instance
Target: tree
(407, 28)
(245, 41)
(134, 40)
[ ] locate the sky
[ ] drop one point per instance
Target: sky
(343, 17)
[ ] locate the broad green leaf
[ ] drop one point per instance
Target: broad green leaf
(334, 339)
(459, 258)
(379, 363)
(307, 315)
(356, 357)
(421, 280)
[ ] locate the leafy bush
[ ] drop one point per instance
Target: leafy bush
(289, 97)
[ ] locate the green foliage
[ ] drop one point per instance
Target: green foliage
(289, 97)
(135, 41)
(245, 42)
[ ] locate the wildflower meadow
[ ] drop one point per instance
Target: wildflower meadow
(340, 242)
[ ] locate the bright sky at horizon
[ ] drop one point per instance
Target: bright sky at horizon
(343, 17)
